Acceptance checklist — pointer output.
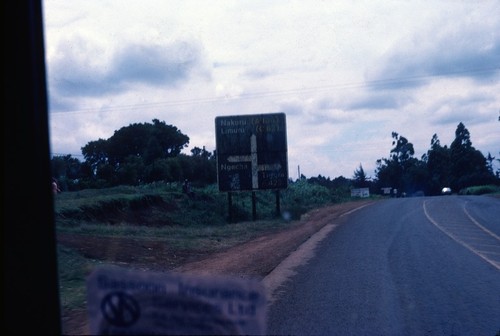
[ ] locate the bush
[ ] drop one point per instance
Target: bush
(302, 196)
(163, 204)
(480, 190)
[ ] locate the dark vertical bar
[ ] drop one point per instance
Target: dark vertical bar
(254, 206)
(30, 278)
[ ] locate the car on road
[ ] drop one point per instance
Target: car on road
(446, 191)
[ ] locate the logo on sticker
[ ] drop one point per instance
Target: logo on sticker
(120, 309)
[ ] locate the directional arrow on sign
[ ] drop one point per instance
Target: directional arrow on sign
(253, 159)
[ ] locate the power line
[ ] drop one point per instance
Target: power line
(355, 85)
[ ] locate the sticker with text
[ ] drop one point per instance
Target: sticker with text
(125, 301)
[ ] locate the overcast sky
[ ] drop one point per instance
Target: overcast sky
(345, 73)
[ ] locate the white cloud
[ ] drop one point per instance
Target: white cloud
(467, 46)
(83, 69)
(346, 73)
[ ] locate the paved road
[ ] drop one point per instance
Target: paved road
(415, 266)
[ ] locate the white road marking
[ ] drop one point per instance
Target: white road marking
(479, 225)
(460, 240)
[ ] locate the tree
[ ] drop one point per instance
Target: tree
(95, 153)
(360, 178)
(468, 166)
(401, 171)
(147, 141)
(69, 171)
(459, 166)
(204, 166)
(497, 173)
(131, 171)
(489, 162)
(159, 170)
(129, 155)
(438, 166)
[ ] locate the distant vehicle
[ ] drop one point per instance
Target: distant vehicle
(446, 191)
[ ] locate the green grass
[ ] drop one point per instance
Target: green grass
(161, 212)
(73, 269)
(185, 237)
(162, 205)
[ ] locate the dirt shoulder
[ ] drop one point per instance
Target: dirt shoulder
(259, 257)
(256, 258)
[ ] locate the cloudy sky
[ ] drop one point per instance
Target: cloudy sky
(346, 73)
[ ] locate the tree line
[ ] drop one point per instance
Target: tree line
(458, 166)
(137, 154)
(143, 153)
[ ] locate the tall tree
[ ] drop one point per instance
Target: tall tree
(489, 162)
(148, 141)
(401, 171)
(403, 150)
(468, 166)
(438, 166)
(127, 154)
(131, 171)
(204, 166)
(360, 178)
(95, 153)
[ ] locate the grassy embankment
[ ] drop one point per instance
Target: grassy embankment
(162, 212)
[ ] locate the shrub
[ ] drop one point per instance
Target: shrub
(480, 190)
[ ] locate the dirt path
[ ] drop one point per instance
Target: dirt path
(256, 258)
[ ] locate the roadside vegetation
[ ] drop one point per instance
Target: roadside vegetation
(193, 223)
(133, 185)
(146, 153)
(493, 190)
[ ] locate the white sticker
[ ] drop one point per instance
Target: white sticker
(131, 302)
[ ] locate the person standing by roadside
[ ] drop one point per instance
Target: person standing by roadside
(55, 187)
(186, 188)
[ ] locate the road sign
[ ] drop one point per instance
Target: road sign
(251, 152)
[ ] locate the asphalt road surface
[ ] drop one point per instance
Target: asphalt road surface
(407, 266)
